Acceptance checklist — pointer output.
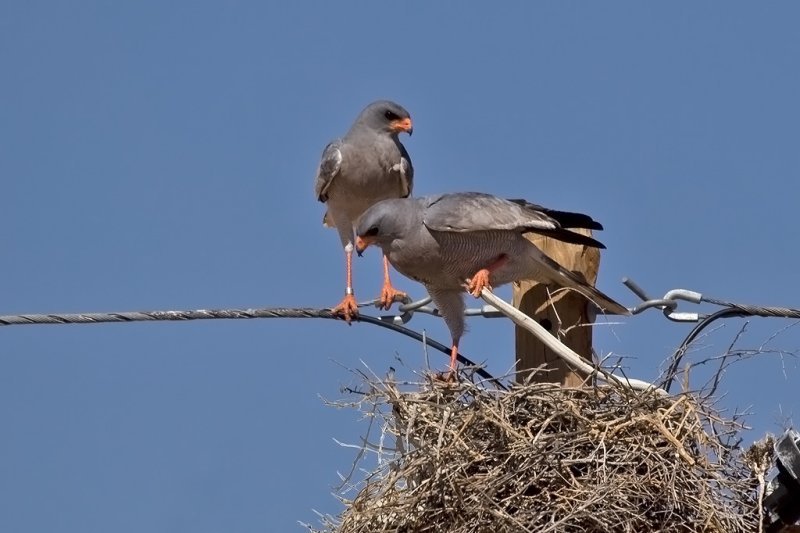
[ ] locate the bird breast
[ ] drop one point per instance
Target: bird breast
(446, 259)
(362, 183)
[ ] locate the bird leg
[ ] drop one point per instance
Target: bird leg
(389, 294)
(481, 278)
(454, 356)
(348, 307)
(452, 374)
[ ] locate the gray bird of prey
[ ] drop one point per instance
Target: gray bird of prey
(365, 166)
(473, 240)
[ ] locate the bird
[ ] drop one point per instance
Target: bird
(367, 165)
(473, 240)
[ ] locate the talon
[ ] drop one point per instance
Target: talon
(348, 308)
(479, 282)
(390, 295)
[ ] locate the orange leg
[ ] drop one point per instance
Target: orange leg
(481, 278)
(348, 307)
(452, 374)
(389, 294)
(454, 356)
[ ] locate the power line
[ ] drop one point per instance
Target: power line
(668, 304)
(149, 316)
(230, 314)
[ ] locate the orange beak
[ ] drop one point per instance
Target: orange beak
(362, 243)
(403, 125)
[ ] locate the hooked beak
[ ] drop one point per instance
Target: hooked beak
(403, 125)
(362, 243)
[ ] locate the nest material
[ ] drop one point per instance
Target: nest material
(542, 458)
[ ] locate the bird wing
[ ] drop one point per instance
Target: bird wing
(465, 212)
(406, 171)
(565, 219)
(329, 167)
(472, 211)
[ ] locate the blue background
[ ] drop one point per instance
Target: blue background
(161, 155)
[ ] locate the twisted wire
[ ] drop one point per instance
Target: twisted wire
(756, 310)
(729, 310)
(208, 314)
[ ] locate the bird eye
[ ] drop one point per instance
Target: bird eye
(390, 115)
(371, 232)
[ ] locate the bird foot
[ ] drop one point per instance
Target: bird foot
(390, 295)
(348, 308)
(479, 282)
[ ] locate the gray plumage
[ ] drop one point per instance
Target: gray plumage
(441, 241)
(365, 166)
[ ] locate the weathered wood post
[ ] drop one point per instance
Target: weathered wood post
(562, 315)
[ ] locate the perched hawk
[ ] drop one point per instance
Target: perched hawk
(365, 166)
(474, 240)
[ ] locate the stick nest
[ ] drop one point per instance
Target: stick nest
(464, 458)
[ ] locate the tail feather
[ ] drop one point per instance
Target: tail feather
(565, 235)
(562, 276)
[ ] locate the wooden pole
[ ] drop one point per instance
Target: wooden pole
(562, 314)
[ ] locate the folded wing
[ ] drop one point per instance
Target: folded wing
(466, 212)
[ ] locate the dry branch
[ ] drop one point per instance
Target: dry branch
(539, 457)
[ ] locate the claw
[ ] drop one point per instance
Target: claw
(348, 308)
(390, 295)
(479, 282)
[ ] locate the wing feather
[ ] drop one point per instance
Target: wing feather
(406, 171)
(463, 212)
(565, 219)
(329, 166)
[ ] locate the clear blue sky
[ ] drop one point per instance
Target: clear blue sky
(161, 155)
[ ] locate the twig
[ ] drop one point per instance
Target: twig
(561, 350)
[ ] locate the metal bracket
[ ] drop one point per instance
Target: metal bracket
(668, 303)
(408, 307)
